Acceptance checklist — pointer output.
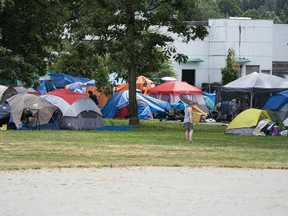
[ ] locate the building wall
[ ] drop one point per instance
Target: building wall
(251, 39)
(280, 51)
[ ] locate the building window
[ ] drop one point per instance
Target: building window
(265, 71)
(252, 68)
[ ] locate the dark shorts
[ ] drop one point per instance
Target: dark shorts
(188, 125)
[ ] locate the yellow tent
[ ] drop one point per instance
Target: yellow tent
(246, 121)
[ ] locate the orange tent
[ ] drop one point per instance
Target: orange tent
(102, 98)
(139, 85)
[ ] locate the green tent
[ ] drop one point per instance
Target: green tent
(246, 121)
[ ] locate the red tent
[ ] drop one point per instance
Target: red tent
(175, 88)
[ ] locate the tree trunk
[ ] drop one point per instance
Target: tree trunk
(133, 120)
(131, 46)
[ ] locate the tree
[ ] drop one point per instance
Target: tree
(209, 9)
(30, 29)
(230, 72)
(130, 31)
(254, 14)
(229, 7)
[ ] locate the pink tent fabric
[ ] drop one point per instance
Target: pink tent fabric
(175, 88)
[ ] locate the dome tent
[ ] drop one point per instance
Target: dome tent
(246, 121)
(42, 112)
(78, 110)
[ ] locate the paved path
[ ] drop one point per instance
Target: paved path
(144, 191)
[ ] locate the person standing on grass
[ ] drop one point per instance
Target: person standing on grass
(188, 121)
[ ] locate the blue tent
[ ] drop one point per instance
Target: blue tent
(5, 111)
(277, 101)
(147, 106)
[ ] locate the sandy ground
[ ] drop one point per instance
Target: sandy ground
(144, 191)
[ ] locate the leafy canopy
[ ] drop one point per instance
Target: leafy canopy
(131, 32)
(29, 30)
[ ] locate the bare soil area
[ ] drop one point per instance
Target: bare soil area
(144, 191)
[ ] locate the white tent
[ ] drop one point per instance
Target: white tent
(255, 83)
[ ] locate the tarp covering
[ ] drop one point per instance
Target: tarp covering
(79, 111)
(60, 80)
(146, 105)
(46, 85)
(246, 121)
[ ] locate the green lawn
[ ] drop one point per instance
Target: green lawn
(153, 143)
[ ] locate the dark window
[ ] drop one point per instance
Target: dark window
(188, 76)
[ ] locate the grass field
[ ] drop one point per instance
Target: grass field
(153, 143)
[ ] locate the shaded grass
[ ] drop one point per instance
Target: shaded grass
(153, 143)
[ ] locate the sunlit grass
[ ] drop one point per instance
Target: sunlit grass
(153, 143)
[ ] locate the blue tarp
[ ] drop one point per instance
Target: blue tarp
(180, 105)
(147, 106)
(211, 96)
(54, 81)
(60, 80)
(46, 85)
(275, 102)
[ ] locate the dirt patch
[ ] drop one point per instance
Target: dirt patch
(144, 191)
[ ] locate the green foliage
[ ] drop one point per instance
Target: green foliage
(253, 13)
(209, 9)
(128, 32)
(277, 10)
(29, 29)
(229, 72)
(229, 7)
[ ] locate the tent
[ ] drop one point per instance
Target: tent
(139, 84)
(43, 114)
(117, 106)
(10, 91)
(102, 97)
(175, 91)
(2, 90)
(246, 121)
(5, 112)
(277, 106)
(254, 89)
(78, 110)
(277, 101)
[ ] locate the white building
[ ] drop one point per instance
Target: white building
(259, 46)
